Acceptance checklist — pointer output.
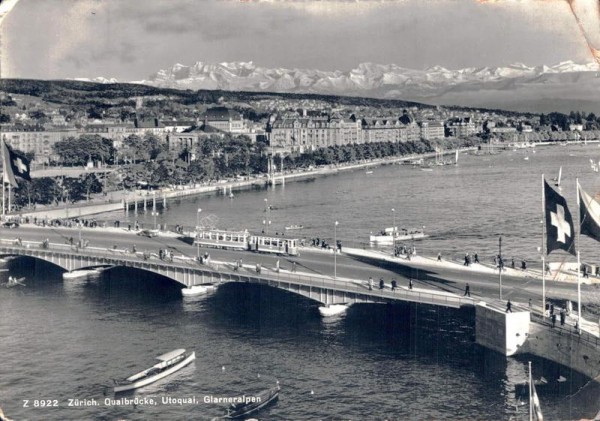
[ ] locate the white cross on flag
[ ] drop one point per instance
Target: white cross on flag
(559, 222)
(14, 166)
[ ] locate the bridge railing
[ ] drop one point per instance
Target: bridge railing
(233, 272)
(582, 336)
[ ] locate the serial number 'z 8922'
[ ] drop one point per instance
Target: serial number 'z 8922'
(39, 403)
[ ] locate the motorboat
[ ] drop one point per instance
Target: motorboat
(369, 172)
(194, 290)
(262, 399)
(169, 363)
(333, 309)
(81, 273)
(392, 234)
(294, 227)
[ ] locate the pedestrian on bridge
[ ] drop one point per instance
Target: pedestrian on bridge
(381, 283)
(410, 284)
(293, 266)
(370, 283)
(439, 257)
(508, 306)
(394, 285)
(467, 290)
(553, 320)
(476, 258)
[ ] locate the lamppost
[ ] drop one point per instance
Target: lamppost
(335, 250)
(197, 227)
(394, 231)
(154, 214)
(268, 210)
(266, 226)
(500, 264)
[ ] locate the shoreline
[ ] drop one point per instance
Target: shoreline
(144, 198)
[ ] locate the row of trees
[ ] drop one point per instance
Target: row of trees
(590, 120)
(53, 191)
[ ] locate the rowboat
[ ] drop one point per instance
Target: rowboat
(169, 364)
(294, 227)
(13, 282)
(392, 234)
(262, 399)
(194, 290)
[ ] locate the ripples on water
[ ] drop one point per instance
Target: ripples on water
(64, 340)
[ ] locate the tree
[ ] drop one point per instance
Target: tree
(79, 151)
(4, 118)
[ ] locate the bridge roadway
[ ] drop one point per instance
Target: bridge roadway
(315, 264)
(188, 270)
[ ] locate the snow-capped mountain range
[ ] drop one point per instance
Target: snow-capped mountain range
(502, 87)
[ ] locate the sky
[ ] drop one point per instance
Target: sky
(131, 39)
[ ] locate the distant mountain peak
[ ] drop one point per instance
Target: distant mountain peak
(434, 84)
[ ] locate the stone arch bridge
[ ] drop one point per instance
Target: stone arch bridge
(189, 272)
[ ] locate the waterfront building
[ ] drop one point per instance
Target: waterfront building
(150, 125)
(460, 127)
(39, 142)
(383, 130)
(299, 134)
(115, 132)
(191, 139)
(431, 130)
(225, 120)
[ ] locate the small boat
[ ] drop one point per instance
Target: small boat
(526, 158)
(262, 399)
(369, 172)
(81, 273)
(392, 234)
(557, 184)
(13, 282)
(169, 363)
(426, 169)
(194, 290)
(333, 309)
(294, 227)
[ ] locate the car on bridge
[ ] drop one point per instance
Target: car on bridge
(11, 224)
(148, 233)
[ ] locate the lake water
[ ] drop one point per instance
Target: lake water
(62, 341)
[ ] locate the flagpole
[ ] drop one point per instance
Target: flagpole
(3, 180)
(578, 261)
(530, 395)
(543, 253)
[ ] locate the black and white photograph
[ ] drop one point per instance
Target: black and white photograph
(300, 210)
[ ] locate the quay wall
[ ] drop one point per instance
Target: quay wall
(73, 212)
(566, 347)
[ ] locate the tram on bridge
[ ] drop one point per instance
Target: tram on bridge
(243, 240)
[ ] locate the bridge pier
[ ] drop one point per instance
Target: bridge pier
(501, 331)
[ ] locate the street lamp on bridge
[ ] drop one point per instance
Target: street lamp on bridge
(266, 226)
(268, 210)
(197, 228)
(335, 248)
(154, 214)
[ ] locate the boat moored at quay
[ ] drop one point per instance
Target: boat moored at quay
(392, 234)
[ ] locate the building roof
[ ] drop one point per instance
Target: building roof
(151, 123)
(220, 114)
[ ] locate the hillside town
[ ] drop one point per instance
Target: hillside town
(285, 125)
